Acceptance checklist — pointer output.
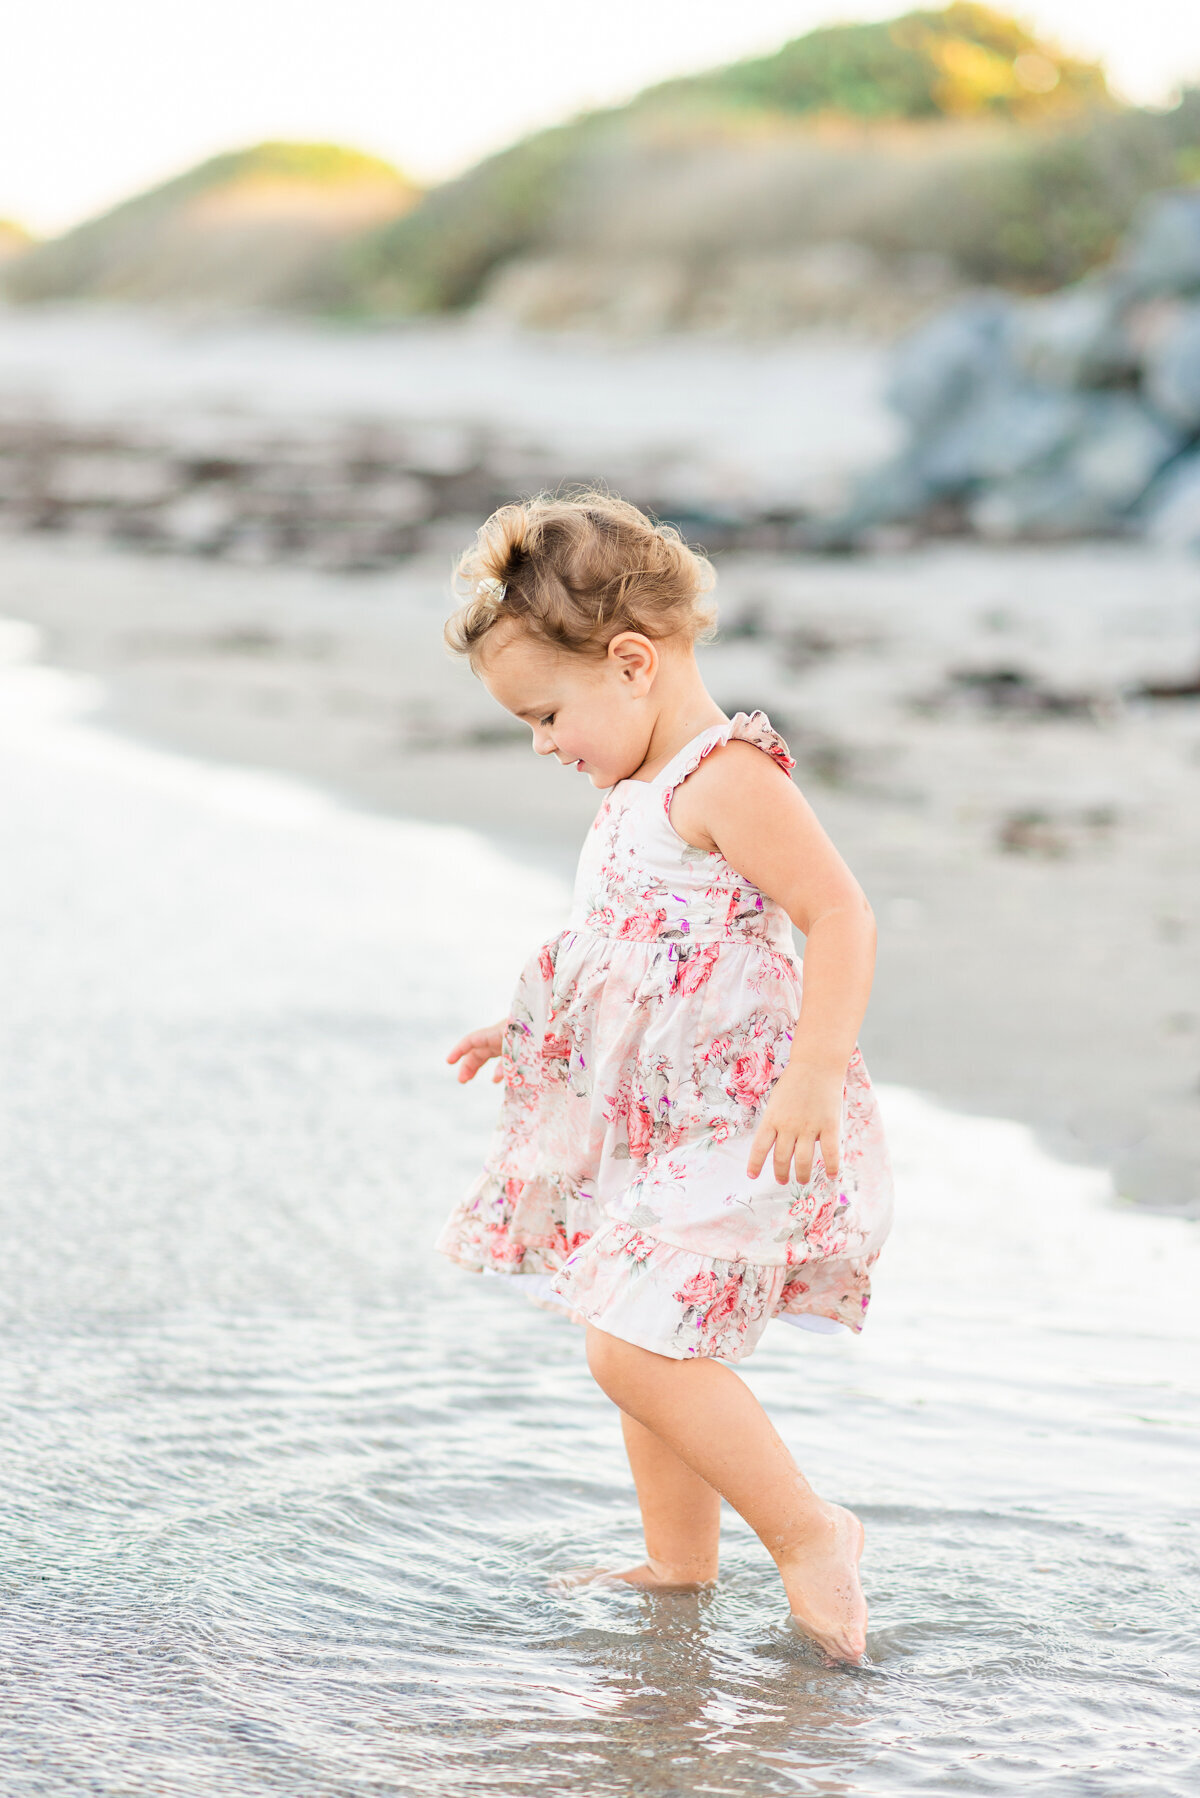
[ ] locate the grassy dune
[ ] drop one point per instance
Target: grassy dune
(262, 227)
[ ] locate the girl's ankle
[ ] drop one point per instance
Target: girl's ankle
(682, 1574)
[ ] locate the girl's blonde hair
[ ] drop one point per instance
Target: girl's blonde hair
(576, 571)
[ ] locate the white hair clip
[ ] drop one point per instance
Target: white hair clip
(491, 588)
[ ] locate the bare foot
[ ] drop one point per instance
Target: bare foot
(647, 1576)
(821, 1580)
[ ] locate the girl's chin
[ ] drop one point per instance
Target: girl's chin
(597, 776)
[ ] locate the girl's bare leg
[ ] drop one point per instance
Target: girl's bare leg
(681, 1512)
(681, 1519)
(710, 1420)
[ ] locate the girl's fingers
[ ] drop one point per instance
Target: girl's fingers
(472, 1063)
(785, 1148)
(481, 1044)
(498, 1073)
(764, 1136)
(831, 1155)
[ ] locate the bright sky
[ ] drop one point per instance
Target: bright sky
(104, 97)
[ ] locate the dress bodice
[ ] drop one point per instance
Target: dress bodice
(640, 881)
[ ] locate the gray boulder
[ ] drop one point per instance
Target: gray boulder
(1172, 508)
(1162, 254)
(1075, 338)
(1171, 376)
(1007, 426)
(1059, 416)
(1094, 482)
(938, 368)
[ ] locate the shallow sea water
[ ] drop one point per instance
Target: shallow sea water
(283, 1490)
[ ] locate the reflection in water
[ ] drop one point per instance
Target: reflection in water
(285, 1492)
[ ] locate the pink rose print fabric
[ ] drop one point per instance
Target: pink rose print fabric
(641, 1046)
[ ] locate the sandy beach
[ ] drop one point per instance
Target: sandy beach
(969, 725)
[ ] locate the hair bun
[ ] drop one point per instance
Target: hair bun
(576, 570)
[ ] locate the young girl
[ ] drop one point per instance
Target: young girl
(684, 1150)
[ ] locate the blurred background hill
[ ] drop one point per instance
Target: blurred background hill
(14, 240)
(260, 227)
(860, 174)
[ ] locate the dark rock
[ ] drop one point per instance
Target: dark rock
(1053, 834)
(1032, 832)
(1186, 688)
(1012, 690)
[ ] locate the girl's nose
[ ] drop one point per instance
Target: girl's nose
(543, 743)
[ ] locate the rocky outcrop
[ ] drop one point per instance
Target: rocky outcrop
(1073, 414)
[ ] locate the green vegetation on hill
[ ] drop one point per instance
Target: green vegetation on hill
(964, 62)
(961, 134)
(437, 257)
(258, 226)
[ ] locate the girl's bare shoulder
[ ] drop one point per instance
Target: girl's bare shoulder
(732, 777)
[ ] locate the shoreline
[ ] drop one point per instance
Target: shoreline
(1034, 868)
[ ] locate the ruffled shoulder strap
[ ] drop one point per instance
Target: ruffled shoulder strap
(743, 727)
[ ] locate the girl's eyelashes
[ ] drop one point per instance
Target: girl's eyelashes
(549, 718)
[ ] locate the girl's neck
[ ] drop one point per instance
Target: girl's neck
(684, 709)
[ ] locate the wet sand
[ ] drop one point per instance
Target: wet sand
(968, 726)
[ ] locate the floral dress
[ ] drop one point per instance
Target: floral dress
(640, 1049)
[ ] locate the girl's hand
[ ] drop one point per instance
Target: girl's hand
(805, 1108)
(478, 1047)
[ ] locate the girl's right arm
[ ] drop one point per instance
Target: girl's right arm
(478, 1047)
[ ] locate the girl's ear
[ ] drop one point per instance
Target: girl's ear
(634, 659)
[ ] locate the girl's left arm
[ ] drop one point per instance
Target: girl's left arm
(766, 830)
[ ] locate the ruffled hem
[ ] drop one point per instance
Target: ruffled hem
(681, 1304)
(512, 1226)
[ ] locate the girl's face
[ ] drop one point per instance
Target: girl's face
(592, 715)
